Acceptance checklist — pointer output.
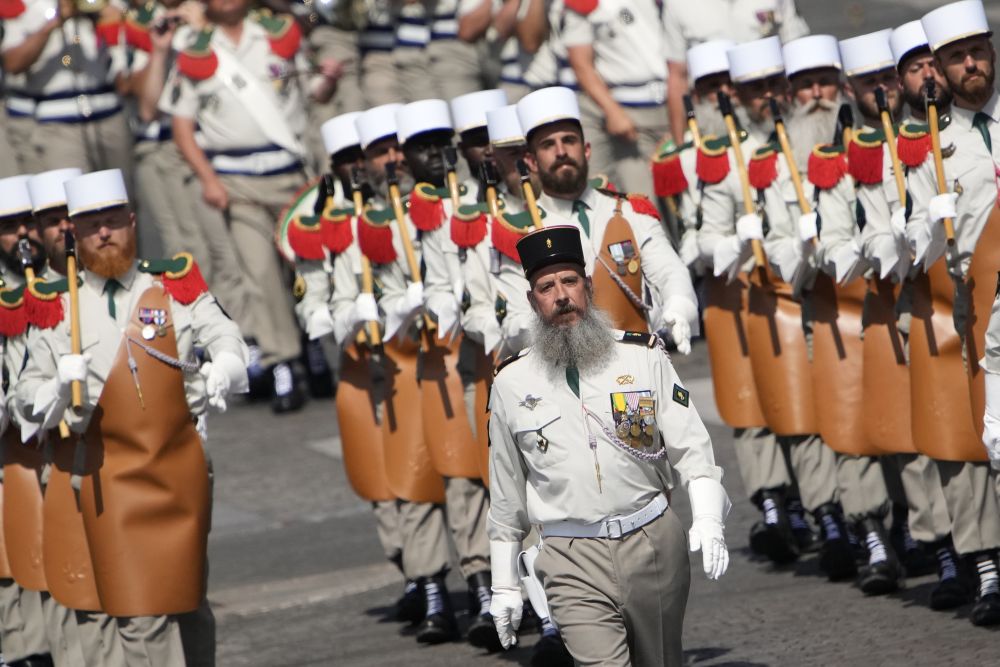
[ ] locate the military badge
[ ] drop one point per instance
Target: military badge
(154, 321)
(681, 395)
(530, 402)
(634, 413)
(625, 257)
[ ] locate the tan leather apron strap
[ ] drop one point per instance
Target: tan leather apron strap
(619, 292)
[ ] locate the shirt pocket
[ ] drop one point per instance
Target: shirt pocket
(536, 431)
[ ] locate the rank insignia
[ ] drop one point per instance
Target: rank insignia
(628, 379)
(681, 395)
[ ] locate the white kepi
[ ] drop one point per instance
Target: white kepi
(708, 58)
(504, 126)
(469, 111)
(96, 191)
(46, 189)
(906, 39)
(866, 54)
(954, 22)
(14, 196)
(755, 60)
(811, 52)
(422, 116)
(377, 123)
(340, 132)
(547, 105)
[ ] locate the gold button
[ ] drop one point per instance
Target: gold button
(67, 61)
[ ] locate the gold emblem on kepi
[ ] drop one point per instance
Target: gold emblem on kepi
(548, 243)
(625, 379)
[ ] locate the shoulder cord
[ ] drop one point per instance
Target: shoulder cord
(632, 296)
(188, 366)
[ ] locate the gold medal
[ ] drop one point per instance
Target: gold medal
(633, 266)
(635, 430)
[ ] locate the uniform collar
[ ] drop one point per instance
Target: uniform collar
(97, 282)
(964, 116)
(252, 31)
(565, 206)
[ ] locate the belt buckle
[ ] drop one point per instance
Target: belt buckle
(611, 532)
(83, 104)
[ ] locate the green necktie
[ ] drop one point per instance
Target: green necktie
(573, 379)
(581, 213)
(981, 122)
(110, 288)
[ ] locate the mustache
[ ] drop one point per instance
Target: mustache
(820, 104)
(565, 161)
(566, 309)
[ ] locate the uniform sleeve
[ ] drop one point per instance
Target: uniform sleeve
(15, 356)
(345, 292)
(16, 30)
(441, 267)
(922, 188)
(576, 30)
(179, 97)
(688, 445)
(835, 207)
(318, 292)
(516, 325)
(508, 514)
(214, 330)
(41, 367)
(878, 201)
(479, 321)
(666, 276)
(675, 44)
(992, 363)
(782, 243)
(793, 25)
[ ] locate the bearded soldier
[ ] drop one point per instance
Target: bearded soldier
(604, 514)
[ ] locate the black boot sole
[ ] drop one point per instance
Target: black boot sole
(483, 634)
(947, 595)
(771, 543)
(837, 561)
(986, 612)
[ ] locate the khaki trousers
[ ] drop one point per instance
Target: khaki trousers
(862, 487)
(815, 468)
(387, 527)
(972, 503)
(454, 68)
(92, 146)
(467, 507)
(620, 602)
(927, 508)
(22, 622)
(255, 205)
(9, 163)
(378, 73)
(97, 634)
(342, 46)
(414, 80)
(761, 461)
(626, 163)
(150, 641)
(425, 539)
(19, 132)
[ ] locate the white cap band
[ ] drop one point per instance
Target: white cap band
(504, 126)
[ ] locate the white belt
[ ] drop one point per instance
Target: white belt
(444, 28)
(382, 40)
(80, 107)
(413, 34)
(261, 163)
(20, 106)
(614, 528)
(652, 92)
(511, 71)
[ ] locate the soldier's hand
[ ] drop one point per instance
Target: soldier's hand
(193, 14)
(214, 193)
(506, 608)
(619, 124)
(73, 368)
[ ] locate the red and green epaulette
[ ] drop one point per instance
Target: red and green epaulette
(468, 224)
(11, 9)
(180, 275)
(309, 236)
(827, 165)
(913, 144)
(109, 30)
(138, 22)
(602, 182)
(13, 316)
(508, 229)
(199, 62)
(640, 203)
(762, 170)
(283, 33)
(865, 155)
(668, 175)
(375, 235)
(427, 206)
(43, 308)
(712, 162)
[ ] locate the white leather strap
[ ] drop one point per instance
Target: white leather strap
(614, 528)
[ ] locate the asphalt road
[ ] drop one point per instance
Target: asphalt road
(298, 578)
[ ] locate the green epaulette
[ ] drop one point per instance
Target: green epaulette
(640, 338)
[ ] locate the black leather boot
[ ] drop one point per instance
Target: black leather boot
(805, 536)
(986, 608)
(410, 605)
(836, 557)
(883, 571)
(951, 590)
(439, 624)
(773, 537)
(550, 649)
(482, 632)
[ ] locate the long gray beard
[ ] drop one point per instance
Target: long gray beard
(710, 121)
(588, 344)
(811, 124)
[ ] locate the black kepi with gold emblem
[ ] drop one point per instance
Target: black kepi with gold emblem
(551, 245)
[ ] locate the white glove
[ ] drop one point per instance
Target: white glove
(447, 312)
(750, 227)
(728, 256)
(689, 252)
(506, 606)
(885, 250)
(224, 375)
(943, 206)
(897, 222)
(709, 507)
(320, 323)
(71, 368)
(678, 313)
(926, 243)
(991, 420)
(365, 309)
(847, 262)
(808, 227)
(414, 299)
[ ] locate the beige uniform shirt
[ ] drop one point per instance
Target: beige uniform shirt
(974, 169)
(533, 483)
(14, 350)
(202, 323)
(664, 276)
(839, 251)
(690, 23)
(318, 275)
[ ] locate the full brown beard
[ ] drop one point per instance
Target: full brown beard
(111, 261)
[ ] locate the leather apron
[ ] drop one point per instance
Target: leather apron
(484, 380)
(779, 357)
(608, 293)
(22, 510)
(145, 492)
(885, 375)
(942, 424)
(981, 282)
(837, 356)
(447, 432)
(408, 468)
(68, 566)
(726, 312)
(360, 430)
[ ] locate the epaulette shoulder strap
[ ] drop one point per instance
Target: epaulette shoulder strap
(507, 362)
(198, 61)
(181, 277)
(283, 34)
(827, 165)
